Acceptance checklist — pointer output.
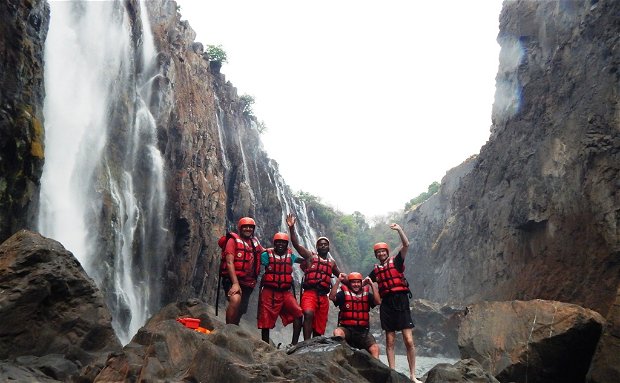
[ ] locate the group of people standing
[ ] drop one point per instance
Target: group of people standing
(353, 294)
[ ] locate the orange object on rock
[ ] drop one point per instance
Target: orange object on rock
(203, 330)
(192, 323)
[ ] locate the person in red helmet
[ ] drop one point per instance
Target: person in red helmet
(395, 312)
(355, 302)
(318, 270)
(276, 298)
(239, 268)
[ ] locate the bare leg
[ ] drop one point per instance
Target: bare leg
(408, 338)
(374, 350)
(390, 336)
(339, 332)
(296, 330)
(308, 319)
(232, 311)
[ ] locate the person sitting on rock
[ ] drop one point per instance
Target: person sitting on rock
(239, 268)
(355, 302)
(276, 297)
(395, 312)
(318, 270)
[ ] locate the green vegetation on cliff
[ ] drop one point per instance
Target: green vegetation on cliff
(351, 236)
(432, 189)
(216, 53)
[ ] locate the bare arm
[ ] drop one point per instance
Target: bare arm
(336, 270)
(375, 292)
(334, 291)
(403, 239)
(303, 252)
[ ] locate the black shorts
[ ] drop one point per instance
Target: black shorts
(395, 313)
(245, 294)
(358, 337)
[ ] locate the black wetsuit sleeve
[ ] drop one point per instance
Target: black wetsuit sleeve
(372, 276)
(339, 299)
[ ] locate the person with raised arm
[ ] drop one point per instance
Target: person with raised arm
(318, 270)
(395, 312)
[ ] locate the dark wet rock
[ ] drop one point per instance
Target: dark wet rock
(49, 305)
(463, 371)
(605, 367)
(166, 350)
(535, 213)
(533, 341)
(23, 29)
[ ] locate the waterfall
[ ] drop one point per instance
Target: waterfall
(102, 189)
(220, 133)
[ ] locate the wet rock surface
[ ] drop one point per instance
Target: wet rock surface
(53, 316)
(23, 30)
(533, 341)
(166, 350)
(535, 213)
(463, 371)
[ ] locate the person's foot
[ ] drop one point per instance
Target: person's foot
(415, 380)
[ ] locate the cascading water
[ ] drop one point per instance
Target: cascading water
(102, 189)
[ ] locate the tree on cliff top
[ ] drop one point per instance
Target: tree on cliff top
(432, 189)
(216, 53)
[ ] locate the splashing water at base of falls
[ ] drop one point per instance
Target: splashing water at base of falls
(102, 189)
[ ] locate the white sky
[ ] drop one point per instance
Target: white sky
(366, 103)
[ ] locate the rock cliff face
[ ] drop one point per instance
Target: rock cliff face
(535, 214)
(218, 171)
(22, 34)
(165, 160)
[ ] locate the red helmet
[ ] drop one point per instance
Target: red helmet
(246, 221)
(280, 237)
(354, 276)
(381, 245)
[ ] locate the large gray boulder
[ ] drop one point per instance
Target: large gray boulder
(49, 305)
(533, 341)
(463, 371)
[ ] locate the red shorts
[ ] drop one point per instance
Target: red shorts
(273, 303)
(311, 301)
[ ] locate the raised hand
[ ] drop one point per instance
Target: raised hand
(290, 220)
(366, 281)
(394, 226)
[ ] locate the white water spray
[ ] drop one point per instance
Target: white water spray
(102, 192)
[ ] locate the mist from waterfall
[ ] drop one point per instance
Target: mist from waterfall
(102, 189)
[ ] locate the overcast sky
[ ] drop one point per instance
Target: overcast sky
(366, 103)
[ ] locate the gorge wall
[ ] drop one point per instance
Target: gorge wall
(155, 152)
(536, 213)
(217, 168)
(22, 34)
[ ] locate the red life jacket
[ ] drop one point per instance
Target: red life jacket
(247, 259)
(279, 270)
(389, 279)
(318, 274)
(354, 310)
